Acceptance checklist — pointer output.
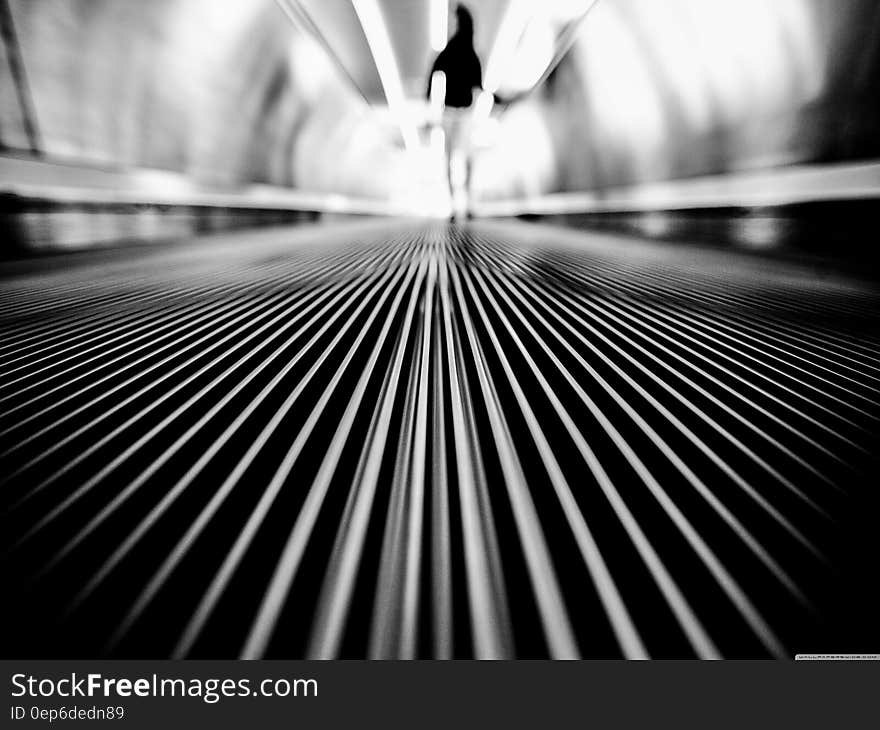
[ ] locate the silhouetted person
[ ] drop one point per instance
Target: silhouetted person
(463, 73)
(460, 63)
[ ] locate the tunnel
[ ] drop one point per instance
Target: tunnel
(302, 357)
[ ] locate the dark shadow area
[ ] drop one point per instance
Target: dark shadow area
(834, 235)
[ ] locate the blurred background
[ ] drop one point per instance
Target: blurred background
(596, 103)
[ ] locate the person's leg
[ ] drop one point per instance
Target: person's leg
(450, 173)
(468, 176)
(458, 175)
(447, 145)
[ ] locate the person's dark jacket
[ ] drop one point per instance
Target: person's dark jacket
(463, 72)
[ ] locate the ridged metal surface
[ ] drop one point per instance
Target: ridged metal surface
(422, 440)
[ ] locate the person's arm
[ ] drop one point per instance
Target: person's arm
(430, 77)
(439, 65)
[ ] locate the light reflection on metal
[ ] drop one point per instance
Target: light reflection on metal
(491, 346)
(439, 19)
(530, 42)
(376, 32)
(16, 66)
(565, 40)
(655, 223)
(511, 29)
(759, 231)
(301, 20)
(781, 186)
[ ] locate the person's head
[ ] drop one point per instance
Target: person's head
(465, 21)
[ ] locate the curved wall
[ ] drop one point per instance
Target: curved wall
(217, 90)
(230, 92)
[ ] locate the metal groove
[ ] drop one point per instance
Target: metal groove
(420, 440)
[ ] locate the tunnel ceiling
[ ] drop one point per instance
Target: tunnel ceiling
(235, 92)
(371, 39)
